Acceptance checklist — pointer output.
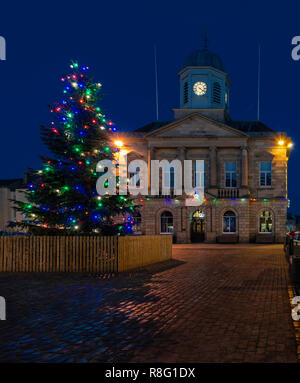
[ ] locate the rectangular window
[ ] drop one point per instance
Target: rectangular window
(230, 174)
(137, 227)
(135, 178)
(168, 177)
(265, 173)
(172, 178)
(199, 174)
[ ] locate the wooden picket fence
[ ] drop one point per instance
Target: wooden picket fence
(58, 254)
(92, 254)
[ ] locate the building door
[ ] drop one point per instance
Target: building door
(198, 226)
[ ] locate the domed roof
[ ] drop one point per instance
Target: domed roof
(203, 57)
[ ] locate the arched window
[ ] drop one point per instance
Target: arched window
(216, 96)
(265, 222)
(185, 92)
(166, 222)
(229, 222)
(137, 225)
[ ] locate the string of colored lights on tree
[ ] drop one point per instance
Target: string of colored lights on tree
(62, 195)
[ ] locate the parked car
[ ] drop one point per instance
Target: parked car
(296, 238)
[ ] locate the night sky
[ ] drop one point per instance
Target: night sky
(115, 39)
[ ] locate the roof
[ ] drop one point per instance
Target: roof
(15, 183)
(203, 57)
(253, 128)
(152, 126)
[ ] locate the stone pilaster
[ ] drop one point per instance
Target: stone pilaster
(244, 156)
(213, 166)
(150, 156)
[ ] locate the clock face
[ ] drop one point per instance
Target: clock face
(200, 88)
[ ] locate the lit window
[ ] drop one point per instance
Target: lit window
(166, 222)
(216, 93)
(230, 174)
(137, 226)
(229, 222)
(265, 222)
(265, 173)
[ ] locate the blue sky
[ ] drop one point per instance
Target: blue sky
(115, 39)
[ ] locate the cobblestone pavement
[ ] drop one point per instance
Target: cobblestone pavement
(211, 303)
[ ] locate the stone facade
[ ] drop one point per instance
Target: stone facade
(189, 139)
(253, 209)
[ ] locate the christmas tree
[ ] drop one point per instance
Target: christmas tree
(62, 197)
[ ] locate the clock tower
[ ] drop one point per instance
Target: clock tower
(204, 86)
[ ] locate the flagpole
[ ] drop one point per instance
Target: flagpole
(156, 81)
(258, 85)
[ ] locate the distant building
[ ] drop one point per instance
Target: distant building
(10, 189)
(290, 222)
(293, 222)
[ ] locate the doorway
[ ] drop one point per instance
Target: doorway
(198, 227)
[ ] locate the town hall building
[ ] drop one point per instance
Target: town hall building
(245, 164)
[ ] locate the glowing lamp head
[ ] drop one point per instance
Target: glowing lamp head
(280, 142)
(290, 145)
(118, 143)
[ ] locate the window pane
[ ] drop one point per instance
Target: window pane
(269, 179)
(266, 166)
(166, 179)
(199, 173)
(172, 179)
(265, 222)
(137, 223)
(134, 178)
(269, 225)
(166, 223)
(229, 213)
(226, 226)
(230, 166)
(233, 182)
(262, 179)
(197, 180)
(202, 179)
(232, 224)
(228, 178)
(262, 225)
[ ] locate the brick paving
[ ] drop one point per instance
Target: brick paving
(211, 303)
